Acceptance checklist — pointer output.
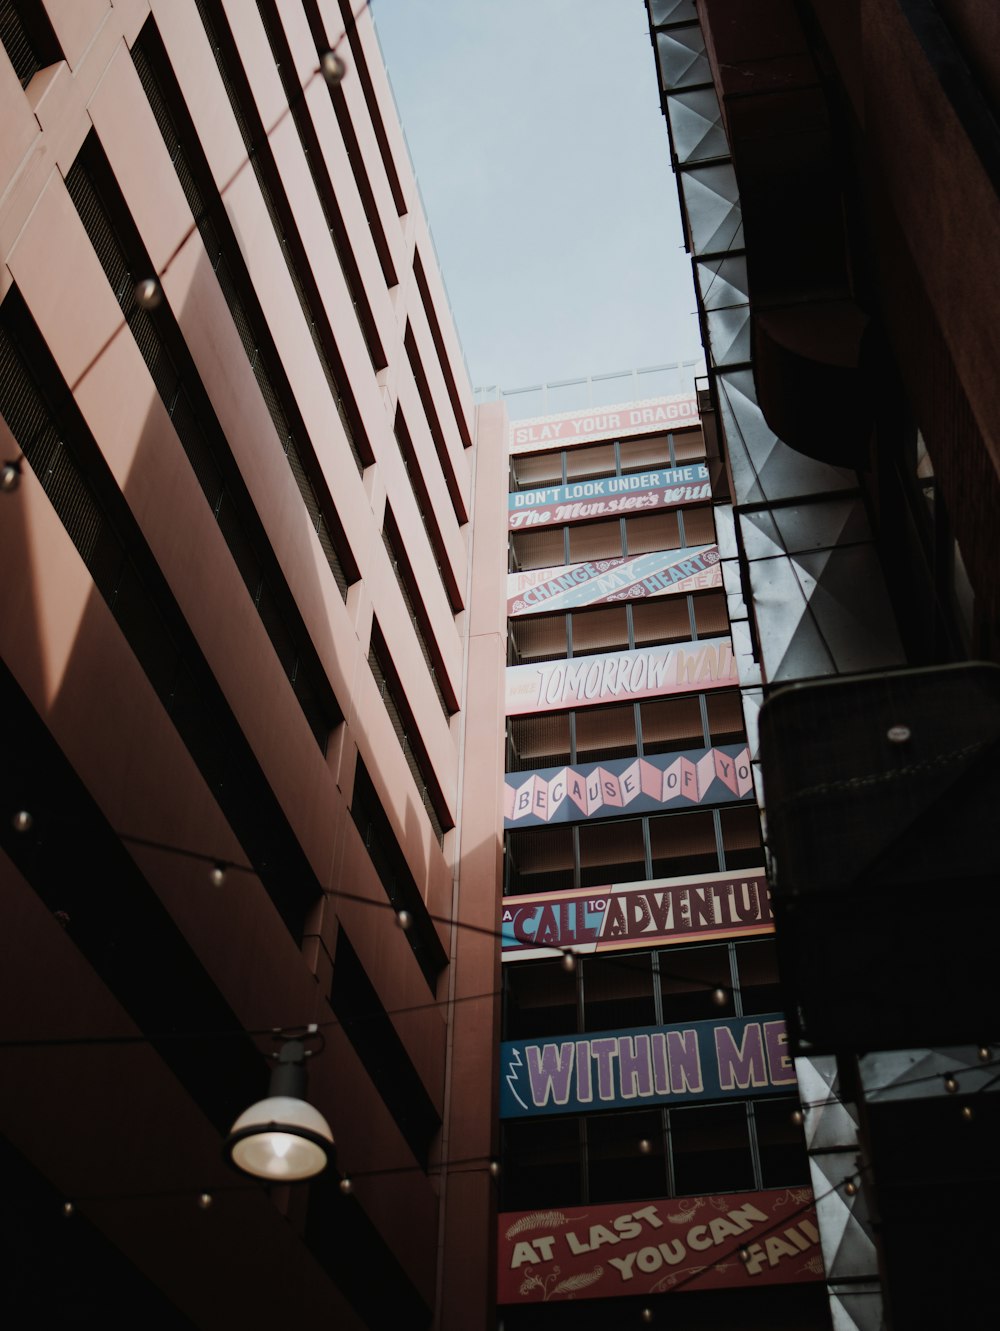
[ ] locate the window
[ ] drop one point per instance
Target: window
(116, 243)
(369, 1028)
(27, 38)
(690, 1150)
(407, 585)
(407, 732)
(213, 224)
(394, 874)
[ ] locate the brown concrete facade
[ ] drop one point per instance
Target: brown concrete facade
(300, 679)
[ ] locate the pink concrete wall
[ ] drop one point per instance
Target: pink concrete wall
(63, 646)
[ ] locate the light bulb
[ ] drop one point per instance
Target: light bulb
(333, 68)
(148, 293)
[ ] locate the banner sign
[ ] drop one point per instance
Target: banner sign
(633, 1248)
(585, 681)
(649, 1065)
(587, 427)
(605, 581)
(627, 786)
(612, 496)
(655, 913)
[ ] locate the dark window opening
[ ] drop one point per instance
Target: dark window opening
(369, 1028)
(27, 38)
(407, 733)
(41, 415)
(258, 150)
(710, 1149)
(407, 584)
(313, 154)
(425, 508)
(395, 876)
(213, 224)
(105, 219)
(439, 347)
(434, 425)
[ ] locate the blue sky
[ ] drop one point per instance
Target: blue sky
(536, 133)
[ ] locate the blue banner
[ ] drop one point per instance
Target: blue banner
(649, 1065)
(608, 487)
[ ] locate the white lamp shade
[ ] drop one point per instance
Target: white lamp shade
(281, 1139)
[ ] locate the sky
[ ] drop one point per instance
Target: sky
(542, 154)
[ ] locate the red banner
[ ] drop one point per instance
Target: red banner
(655, 913)
(601, 1252)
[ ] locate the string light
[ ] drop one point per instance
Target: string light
(23, 820)
(333, 68)
(984, 1054)
(950, 1084)
(205, 1200)
(645, 1146)
(646, 1315)
(346, 1186)
(217, 876)
(148, 293)
(494, 1169)
(850, 1187)
(10, 475)
(743, 1252)
(797, 1117)
(967, 1113)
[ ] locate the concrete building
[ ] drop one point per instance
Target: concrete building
(286, 744)
(837, 170)
(249, 642)
(653, 1166)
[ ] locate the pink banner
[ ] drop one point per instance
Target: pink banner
(627, 785)
(687, 667)
(606, 581)
(659, 1247)
(569, 428)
